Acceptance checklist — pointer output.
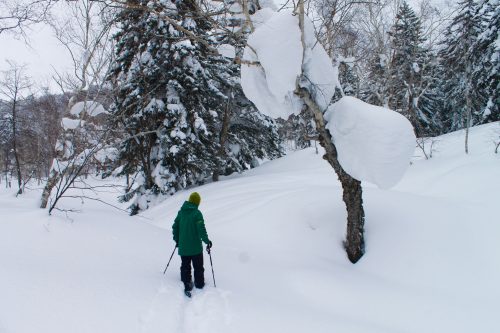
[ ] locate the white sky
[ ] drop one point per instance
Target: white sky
(44, 51)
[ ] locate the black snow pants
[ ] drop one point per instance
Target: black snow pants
(199, 278)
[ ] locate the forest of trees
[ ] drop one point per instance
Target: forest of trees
(167, 74)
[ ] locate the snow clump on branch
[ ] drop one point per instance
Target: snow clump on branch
(374, 144)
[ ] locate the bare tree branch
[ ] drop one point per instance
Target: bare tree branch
(18, 15)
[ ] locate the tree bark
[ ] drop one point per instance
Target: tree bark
(467, 120)
(354, 243)
(14, 144)
(226, 120)
(6, 171)
(51, 182)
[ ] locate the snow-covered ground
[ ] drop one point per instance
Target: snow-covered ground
(432, 262)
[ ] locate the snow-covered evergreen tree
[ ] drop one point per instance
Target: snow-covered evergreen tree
(245, 135)
(411, 72)
(251, 137)
(166, 90)
(487, 70)
(403, 75)
(298, 130)
(348, 77)
(375, 88)
(176, 99)
(459, 60)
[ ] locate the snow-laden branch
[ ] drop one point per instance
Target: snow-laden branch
(164, 16)
(373, 144)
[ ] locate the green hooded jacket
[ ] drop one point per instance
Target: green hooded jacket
(189, 230)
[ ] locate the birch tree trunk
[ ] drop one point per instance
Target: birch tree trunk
(51, 182)
(467, 119)
(354, 243)
(14, 144)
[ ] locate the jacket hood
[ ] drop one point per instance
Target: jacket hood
(188, 206)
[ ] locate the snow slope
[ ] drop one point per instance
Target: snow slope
(432, 261)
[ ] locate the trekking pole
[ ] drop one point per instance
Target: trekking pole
(170, 259)
(210, 255)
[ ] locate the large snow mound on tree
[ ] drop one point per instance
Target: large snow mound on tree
(90, 107)
(374, 144)
(277, 47)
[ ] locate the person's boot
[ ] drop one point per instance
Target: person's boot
(188, 286)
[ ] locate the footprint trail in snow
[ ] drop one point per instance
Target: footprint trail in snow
(207, 311)
(171, 311)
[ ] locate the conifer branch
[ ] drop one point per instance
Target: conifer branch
(177, 26)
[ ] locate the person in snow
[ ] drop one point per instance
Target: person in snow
(188, 231)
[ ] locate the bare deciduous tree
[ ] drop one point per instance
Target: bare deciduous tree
(334, 20)
(86, 36)
(427, 145)
(17, 15)
(14, 84)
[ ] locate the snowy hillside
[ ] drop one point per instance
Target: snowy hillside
(431, 263)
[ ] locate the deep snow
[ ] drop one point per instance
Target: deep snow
(432, 261)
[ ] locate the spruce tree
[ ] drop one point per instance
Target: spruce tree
(169, 93)
(252, 137)
(375, 89)
(178, 100)
(487, 70)
(464, 99)
(411, 72)
(245, 135)
(298, 130)
(348, 77)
